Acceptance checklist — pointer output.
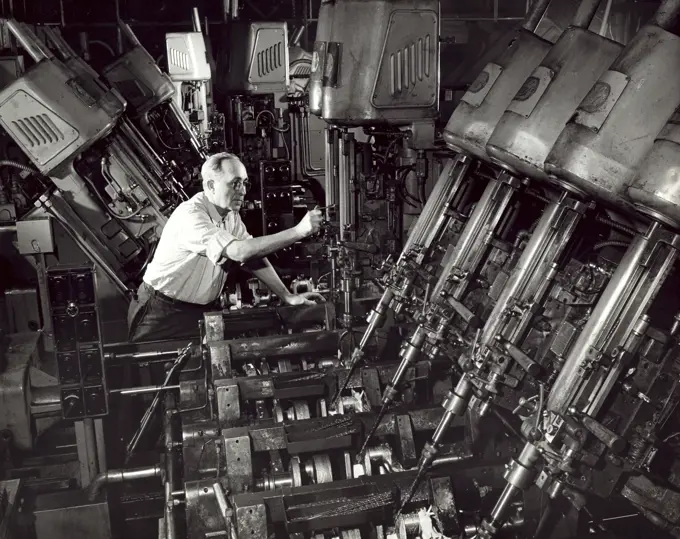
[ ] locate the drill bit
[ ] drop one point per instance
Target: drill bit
(426, 458)
(354, 361)
(411, 491)
(371, 432)
(375, 321)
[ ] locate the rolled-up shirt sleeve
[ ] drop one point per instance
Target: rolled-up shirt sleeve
(199, 234)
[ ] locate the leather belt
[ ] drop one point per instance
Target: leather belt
(167, 299)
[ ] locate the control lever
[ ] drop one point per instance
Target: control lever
(609, 438)
(529, 366)
(461, 310)
(176, 367)
(225, 510)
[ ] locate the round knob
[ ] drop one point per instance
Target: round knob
(72, 310)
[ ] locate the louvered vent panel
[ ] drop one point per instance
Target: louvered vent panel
(269, 59)
(180, 59)
(410, 65)
(38, 130)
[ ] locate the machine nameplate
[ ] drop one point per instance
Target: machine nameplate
(596, 106)
(331, 65)
(482, 85)
(35, 236)
(531, 91)
(319, 59)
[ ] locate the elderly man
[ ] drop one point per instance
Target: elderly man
(203, 237)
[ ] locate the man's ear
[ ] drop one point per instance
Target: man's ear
(210, 185)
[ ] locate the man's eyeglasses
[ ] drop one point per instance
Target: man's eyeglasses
(239, 183)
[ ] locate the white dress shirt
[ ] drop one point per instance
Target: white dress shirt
(185, 265)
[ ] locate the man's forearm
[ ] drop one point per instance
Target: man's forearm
(266, 273)
(253, 248)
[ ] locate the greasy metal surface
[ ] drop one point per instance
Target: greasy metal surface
(239, 462)
(283, 345)
(214, 326)
(68, 514)
(228, 402)
(20, 353)
(277, 500)
(269, 436)
(251, 521)
(202, 512)
(406, 443)
(220, 360)
(604, 162)
(199, 451)
(547, 100)
(382, 62)
(648, 495)
(482, 106)
(656, 189)
(444, 502)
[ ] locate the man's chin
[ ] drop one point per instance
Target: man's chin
(236, 206)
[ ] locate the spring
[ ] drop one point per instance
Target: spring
(637, 448)
(617, 226)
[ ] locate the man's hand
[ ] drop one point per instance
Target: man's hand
(311, 223)
(306, 298)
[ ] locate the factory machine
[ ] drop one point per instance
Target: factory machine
(268, 128)
(536, 295)
(572, 320)
(153, 102)
(190, 67)
(87, 164)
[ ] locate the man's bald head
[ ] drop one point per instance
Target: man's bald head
(225, 181)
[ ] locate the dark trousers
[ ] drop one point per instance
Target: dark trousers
(154, 317)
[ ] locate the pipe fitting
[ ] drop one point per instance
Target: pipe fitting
(120, 476)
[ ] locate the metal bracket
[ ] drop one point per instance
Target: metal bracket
(371, 384)
(251, 521)
(228, 399)
(214, 326)
(239, 460)
(220, 360)
(407, 445)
